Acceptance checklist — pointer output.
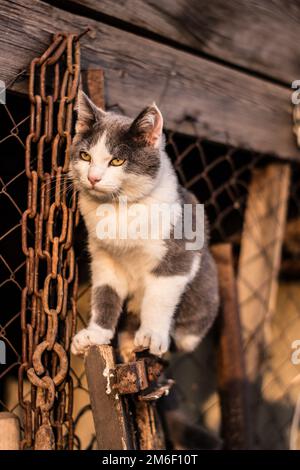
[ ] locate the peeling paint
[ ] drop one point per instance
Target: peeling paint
(107, 375)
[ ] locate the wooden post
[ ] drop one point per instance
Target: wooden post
(108, 410)
(151, 436)
(9, 431)
(231, 370)
(259, 265)
(260, 257)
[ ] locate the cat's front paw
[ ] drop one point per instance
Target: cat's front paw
(93, 335)
(156, 341)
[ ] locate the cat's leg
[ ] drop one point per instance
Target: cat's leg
(161, 297)
(109, 289)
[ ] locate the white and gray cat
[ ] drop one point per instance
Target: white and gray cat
(172, 291)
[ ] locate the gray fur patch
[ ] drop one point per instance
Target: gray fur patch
(107, 306)
(178, 260)
(199, 303)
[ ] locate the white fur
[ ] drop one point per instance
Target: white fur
(99, 151)
(161, 297)
(106, 271)
(186, 342)
(92, 335)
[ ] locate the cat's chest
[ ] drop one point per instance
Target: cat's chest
(124, 232)
(124, 227)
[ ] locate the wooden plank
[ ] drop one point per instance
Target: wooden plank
(196, 96)
(231, 369)
(107, 407)
(260, 36)
(258, 270)
(9, 431)
(150, 431)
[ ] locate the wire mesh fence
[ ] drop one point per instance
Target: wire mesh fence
(14, 119)
(267, 283)
(221, 177)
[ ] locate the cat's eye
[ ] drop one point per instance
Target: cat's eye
(85, 156)
(117, 161)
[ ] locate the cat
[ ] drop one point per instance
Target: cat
(172, 291)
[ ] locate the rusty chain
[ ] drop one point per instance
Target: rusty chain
(48, 313)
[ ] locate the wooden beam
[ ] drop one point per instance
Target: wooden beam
(93, 84)
(108, 411)
(231, 370)
(196, 96)
(258, 269)
(260, 36)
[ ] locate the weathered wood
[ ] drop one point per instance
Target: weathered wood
(107, 407)
(258, 270)
(221, 104)
(9, 431)
(260, 36)
(260, 257)
(292, 237)
(93, 84)
(150, 432)
(231, 369)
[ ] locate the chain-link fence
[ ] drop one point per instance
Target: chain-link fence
(252, 201)
(14, 125)
(32, 324)
(261, 220)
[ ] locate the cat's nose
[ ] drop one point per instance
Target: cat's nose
(93, 179)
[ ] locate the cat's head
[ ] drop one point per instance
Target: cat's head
(113, 155)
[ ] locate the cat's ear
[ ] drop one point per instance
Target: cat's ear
(87, 112)
(147, 127)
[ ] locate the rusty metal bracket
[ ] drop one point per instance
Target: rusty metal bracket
(111, 385)
(141, 377)
(131, 377)
(157, 392)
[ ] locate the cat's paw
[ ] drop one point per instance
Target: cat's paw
(93, 335)
(156, 341)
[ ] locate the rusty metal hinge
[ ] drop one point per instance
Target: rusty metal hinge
(141, 377)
